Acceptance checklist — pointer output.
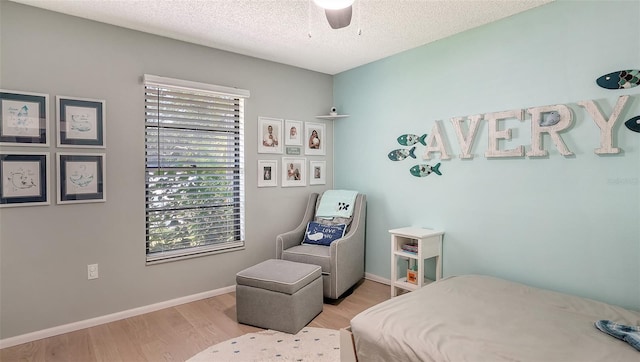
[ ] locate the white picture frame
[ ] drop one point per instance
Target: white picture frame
(293, 132)
(81, 177)
(317, 172)
(267, 173)
(294, 171)
(315, 138)
(81, 122)
(24, 118)
(24, 179)
(269, 135)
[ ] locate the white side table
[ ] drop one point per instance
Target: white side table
(429, 246)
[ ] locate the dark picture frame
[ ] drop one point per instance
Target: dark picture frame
(81, 178)
(24, 179)
(81, 122)
(24, 118)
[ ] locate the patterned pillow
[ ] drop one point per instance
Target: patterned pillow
(320, 234)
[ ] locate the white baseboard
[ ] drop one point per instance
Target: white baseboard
(66, 328)
(376, 278)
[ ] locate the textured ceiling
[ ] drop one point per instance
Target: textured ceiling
(295, 32)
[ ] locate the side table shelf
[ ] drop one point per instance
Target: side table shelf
(429, 245)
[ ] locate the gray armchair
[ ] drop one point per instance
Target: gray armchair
(342, 262)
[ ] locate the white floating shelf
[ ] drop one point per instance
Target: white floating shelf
(333, 117)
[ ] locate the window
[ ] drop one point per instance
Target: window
(194, 157)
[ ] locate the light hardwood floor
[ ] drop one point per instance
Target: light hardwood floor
(177, 333)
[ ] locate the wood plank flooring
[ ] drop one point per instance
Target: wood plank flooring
(177, 333)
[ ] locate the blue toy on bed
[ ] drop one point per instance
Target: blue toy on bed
(629, 334)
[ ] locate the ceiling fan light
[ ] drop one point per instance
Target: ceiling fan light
(334, 4)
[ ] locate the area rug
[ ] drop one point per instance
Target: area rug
(310, 344)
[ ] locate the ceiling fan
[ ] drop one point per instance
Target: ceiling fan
(338, 12)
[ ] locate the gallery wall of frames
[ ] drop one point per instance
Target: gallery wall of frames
(80, 167)
(292, 139)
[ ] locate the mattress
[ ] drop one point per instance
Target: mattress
(481, 318)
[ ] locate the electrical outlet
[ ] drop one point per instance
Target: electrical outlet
(92, 270)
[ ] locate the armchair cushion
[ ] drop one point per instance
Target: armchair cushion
(310, 254)
(320, 234)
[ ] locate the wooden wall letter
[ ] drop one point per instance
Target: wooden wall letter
(466, 142)
(439, 146)
(495, 135)
(606, 138)
(564, 119)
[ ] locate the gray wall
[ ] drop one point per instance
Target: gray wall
(44, 250)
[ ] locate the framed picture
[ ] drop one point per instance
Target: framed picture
(294, 171)
(293, 133)
(24, 179)
(315, 138)
(81, 122)
(267, 173)
(81, 177)
(317, 172)
(269, 135)
(24, 118)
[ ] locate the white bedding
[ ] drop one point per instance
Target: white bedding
(481, 318)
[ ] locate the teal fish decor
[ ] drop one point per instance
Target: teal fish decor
(622, 79)
(633, 124)
(412, 139)
(424, 170)
(401, 154)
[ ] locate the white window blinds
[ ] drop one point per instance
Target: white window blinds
(194, 155)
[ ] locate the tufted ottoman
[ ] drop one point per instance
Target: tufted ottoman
(279, 294)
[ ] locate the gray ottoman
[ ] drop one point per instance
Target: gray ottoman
(279, 294)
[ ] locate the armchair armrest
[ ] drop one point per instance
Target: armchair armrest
(294, 237)
(351, 250)
(287, 240)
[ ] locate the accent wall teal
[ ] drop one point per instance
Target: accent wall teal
(566, 223)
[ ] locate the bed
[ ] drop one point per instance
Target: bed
(481, 318)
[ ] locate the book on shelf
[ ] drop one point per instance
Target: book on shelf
(410, 248)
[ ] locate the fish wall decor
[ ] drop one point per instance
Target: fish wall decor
(420, 170)
(633, 124)
(400, 154)
(622, 79)
(412, 139)
(424, 170)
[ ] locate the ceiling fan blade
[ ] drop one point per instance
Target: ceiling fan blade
(339, 18)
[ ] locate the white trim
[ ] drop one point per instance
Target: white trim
(376, 278)
(190, 85)
(87, 323)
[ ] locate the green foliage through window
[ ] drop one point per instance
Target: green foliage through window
(194, 155)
